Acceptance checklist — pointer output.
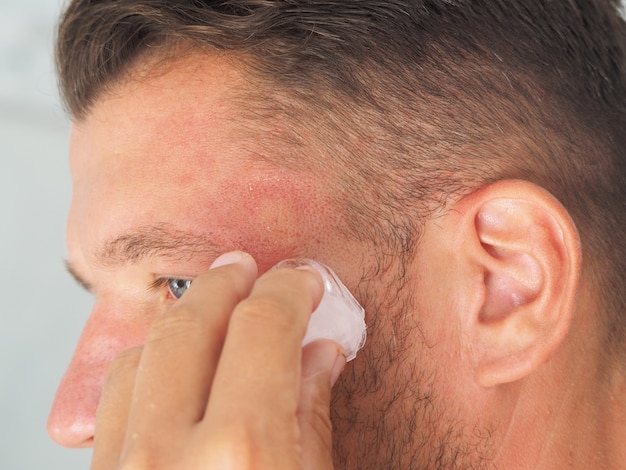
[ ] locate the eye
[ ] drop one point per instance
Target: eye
(178, 287)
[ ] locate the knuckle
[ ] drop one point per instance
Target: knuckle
(179, 320)
(320, 418)
(265, 311)
(317, 419)
(229, 453)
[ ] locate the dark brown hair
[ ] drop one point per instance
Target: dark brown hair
(415, 100)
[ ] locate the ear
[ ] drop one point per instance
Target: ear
(524, 250)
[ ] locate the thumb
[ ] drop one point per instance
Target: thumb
(322, 362)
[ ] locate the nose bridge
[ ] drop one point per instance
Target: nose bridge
(107, 332)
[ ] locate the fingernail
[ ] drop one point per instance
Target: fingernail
(338, 367)
(231, 257)
(306, 267)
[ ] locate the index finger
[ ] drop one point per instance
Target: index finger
(181, 352)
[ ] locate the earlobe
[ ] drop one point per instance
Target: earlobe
(526, 250)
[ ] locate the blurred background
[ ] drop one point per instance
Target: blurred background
(42, 315)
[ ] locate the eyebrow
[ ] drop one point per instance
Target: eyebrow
(160, 240)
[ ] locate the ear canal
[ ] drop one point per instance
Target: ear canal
(514, 279)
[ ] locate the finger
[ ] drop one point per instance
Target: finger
(113, 409)
(322, 362)
(256, 387)
(181, 353)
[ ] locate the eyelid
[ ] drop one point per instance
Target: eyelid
(162, 281)
(80, 280)
(158, 283)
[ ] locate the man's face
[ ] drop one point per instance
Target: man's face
(164, 182)
(166, 178)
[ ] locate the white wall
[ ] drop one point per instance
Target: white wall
(41, 310)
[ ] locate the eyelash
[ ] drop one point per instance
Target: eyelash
(164, 282)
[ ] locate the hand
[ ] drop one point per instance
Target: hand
(222, 381)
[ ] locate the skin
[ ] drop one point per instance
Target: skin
(478, 355)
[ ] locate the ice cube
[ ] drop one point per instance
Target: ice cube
(339, 316)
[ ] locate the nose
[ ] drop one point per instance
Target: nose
(72, 419)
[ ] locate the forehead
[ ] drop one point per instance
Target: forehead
(164, 111)
(171, 147)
